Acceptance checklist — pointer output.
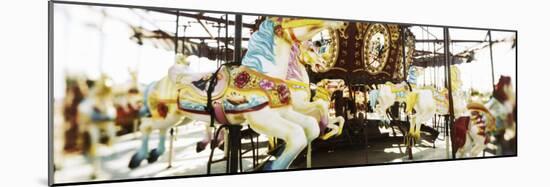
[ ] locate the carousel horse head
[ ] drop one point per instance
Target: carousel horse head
(102, 87)
(275, 35)
(308, 56)
(180, 71)
(298, 30)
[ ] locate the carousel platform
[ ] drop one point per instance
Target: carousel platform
(382, 149)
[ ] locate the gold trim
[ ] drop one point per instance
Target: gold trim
(367, 45)
(331, 56)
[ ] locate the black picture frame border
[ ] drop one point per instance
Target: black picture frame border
(50, 34)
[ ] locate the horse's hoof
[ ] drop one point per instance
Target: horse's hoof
(278, 150)
(200, 147)
(265, 166)
(153, 156)
(93, 176)
(268, 166)
(135, 161)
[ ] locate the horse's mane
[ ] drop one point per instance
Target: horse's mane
(260, 47)
(293, 66)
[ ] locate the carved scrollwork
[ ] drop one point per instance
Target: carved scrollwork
(329, 42)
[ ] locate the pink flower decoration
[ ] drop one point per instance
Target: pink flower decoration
(266, 84)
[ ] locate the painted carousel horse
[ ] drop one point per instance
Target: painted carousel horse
(159, 99)
(319, 96)
(441, 95)
(495, 118)
(96, 115)
(420, 105)
(275, 51)
(240, 95)
(285, 117)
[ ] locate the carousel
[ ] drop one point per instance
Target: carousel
(182, 93)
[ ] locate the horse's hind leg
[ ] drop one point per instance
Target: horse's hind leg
(271, 124)
(170, 121)
(201, 145)
(146, 129)
(308, 123)
(157, 152)
(335, 130)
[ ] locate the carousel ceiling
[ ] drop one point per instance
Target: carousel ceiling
(365, 53)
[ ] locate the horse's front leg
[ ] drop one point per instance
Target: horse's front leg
(335, 129)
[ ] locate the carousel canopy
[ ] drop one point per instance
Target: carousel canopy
(464, 43)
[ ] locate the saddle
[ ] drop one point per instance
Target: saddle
(238, 90)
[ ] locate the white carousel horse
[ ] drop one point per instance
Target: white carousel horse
(159, 97)
(442, 95)
(275, 52)
(243, 95)
(419, 99)
(96, 113)
(496, 117)
(285, 121)
(321, 100)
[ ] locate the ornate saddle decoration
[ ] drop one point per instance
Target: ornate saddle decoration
(239, 90)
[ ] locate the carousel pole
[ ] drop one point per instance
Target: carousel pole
(226, 37)
(404, 52)
(492, 67)
(234, 134)
(176, 41)
(171, 146)
(448, 60)
(218, 59)
(403, 42)
(491, 55)
(409, 146)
